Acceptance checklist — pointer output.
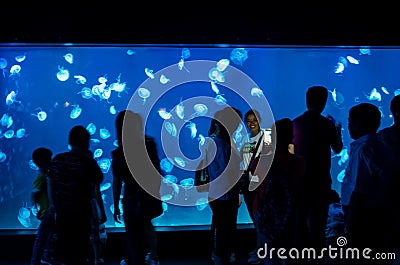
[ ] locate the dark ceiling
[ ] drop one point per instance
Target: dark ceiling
(330, 23)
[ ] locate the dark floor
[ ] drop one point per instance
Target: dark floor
(177, 246)
(168, 261)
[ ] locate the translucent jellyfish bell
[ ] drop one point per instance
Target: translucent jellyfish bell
(3, 65)
(222, 64)
(32, 165)
(104, 165)
(91, 128)
(20, 58)
(201, 203)
(149, 73)
(104, 133)
(185, 53)
(97, 153)
(75, 112)
(9, 134)
(6, 121)
(143, 93)
(3, 156)
(170, 179)
(86, 93)
(62, 74)
(200, 109)
(20, 133)
(166, 165)
(239, 56)
(41, 115)
(14, 70)
(187, 183)
(69, 57)
(256, 92)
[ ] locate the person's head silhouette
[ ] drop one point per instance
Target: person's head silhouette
(316, 98)
(395, 109)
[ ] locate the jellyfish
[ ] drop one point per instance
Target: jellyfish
(339, 68)
(340, 176)
(130, 52)
(201, 139)
(222, 64)
(62, 74)
(185, 53)
(374, 95)
(105, 186)
(119, 88)
(164, 114)
(20, 133)
(20, 58)
(201, 203)
(32, 165)
(91, 128)
(149, 72)
(181, 65)
(112, 110)
(3, 65)
(106, 94)
(365, 51)
(164, 79)
(193, 129)
(80, 79)
(384, 90)
(256, 92)
(352, 60)
(75, 112)
(220, 100)
(144, 93)
(169, 179)
(14, 70)
(104, 165)
(115, 143)
(11, 98)
(69, 57)
(102, 79)
(397, 92)
(166, 165)
(104, 133)
(180, 161)
(200, 109)
(214, 87)
(187, 183)
(214, 73)
(97, 153)
(166, 197)
(3, 156)
(6, 121)
(86, 93)
(239, 56)
(171, 128)
(180, 110)
(41, 115)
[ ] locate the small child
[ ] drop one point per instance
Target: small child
(42, 246)
(335, 223)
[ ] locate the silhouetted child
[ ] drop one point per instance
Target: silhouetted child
(42, 246)
(335, 223)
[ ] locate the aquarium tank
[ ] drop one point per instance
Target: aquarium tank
(49, 88)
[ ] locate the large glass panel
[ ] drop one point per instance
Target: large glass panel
(47, 89)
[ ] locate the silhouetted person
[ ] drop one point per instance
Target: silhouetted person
(365, 194)
(71, 177)
(224, 170)
(136, 167)
(275, 203)
(315, 136)
(42, 247)
(390, 138)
